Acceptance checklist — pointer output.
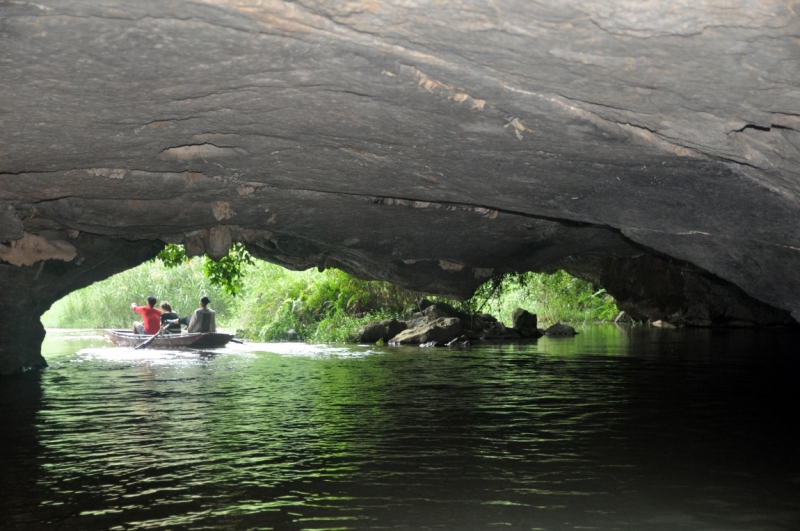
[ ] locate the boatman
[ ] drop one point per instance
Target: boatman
(151, 317)
(203, 318)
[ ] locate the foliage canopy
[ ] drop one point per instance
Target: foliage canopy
(227, 273)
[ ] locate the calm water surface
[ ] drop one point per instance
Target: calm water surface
(633, 430)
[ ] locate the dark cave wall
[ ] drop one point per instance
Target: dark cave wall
(653, 287)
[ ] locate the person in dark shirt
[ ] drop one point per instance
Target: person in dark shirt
(168, 316)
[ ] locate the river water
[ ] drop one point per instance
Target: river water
(638, 429)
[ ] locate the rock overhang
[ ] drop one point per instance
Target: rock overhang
(430, 146)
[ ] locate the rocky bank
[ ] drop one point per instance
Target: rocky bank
(440, 324)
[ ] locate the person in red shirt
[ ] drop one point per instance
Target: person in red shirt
(151, 317)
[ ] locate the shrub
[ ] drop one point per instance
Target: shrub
(328, 306)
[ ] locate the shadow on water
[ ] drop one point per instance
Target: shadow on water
(20, 403)
(613, 429)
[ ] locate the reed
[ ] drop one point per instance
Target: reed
(106, 304)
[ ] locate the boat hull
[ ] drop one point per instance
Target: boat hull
(125, 338)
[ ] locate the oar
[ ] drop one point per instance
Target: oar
(143, 345)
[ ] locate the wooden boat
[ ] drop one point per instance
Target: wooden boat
(126, 338)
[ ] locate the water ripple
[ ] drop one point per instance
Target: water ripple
(610, 430)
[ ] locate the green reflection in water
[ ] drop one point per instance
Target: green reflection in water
(304, 437)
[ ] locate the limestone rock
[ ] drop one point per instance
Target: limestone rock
(656, 288)
(498, 330)
(523, 319)
(384, 330)
(560, 330)
(431, 311)
(10, 224)
(416, 320)
(441, 330)
(525, 323)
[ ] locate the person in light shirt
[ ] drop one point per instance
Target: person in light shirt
(203, 318)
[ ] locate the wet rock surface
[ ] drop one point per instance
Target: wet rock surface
(560, 330)
(441, 330)
(431, 147)
(525, 323)
(382, 331)
(439, 324)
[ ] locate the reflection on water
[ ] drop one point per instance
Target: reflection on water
(614, 429)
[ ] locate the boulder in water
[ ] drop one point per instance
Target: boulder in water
(498, 330)
(560, 330)
(525, 323)
(441, 330)
(384, 330)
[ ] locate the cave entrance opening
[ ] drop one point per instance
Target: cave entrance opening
(272, 303)
(555, 297)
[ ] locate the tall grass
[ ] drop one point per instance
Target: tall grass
(106, 304)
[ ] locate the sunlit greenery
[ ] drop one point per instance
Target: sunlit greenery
(275, 304)
(106, 304)
(226, 273)
(330, 306)
(558, 297)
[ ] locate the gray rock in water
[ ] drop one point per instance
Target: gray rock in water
(416, 322)
(498, 330)
(423, 304)
(524, 319)
(560, 330)
(431, 311)
(441, 330)
(385, 330)
(525, 323)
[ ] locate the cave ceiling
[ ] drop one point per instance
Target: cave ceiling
(433, 144)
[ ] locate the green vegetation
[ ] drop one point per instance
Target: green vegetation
(227, 273)
(554, 298)
(106, 304)
(328, 306)
(275, 304)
